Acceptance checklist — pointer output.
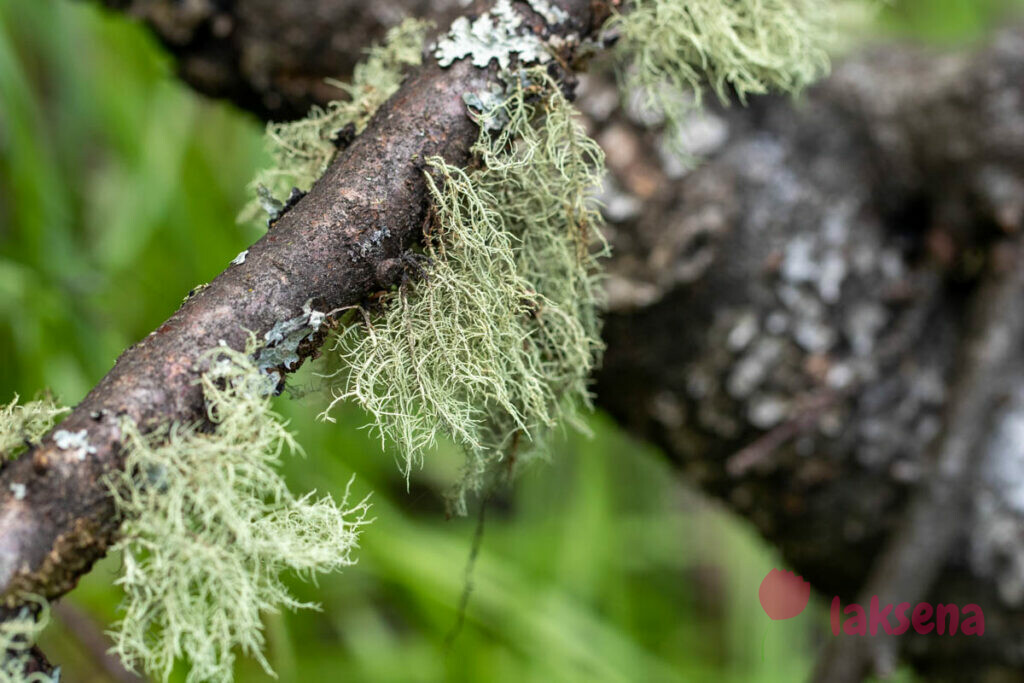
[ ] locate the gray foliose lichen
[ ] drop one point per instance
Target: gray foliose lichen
(283, 339)
(498, 34)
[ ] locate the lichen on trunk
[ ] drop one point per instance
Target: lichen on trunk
(669, 52)
(493, 347)
(301, 150)
(210, 527)
(17, 638)
(24, 424)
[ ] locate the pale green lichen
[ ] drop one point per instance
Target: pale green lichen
(670, 50)
(498, 34)
(495, 345)
(210, 527)
(26, 423)
(495, 34)
(552, 13)
(302, 150)
(17, 637)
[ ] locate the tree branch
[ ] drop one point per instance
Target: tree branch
(368, 207)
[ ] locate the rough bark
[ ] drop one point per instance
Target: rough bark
(939, 515)
(786, 320)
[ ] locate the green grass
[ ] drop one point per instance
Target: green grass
(946, 22)
(119, 189)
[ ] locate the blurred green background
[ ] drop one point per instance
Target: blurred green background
(118, 193)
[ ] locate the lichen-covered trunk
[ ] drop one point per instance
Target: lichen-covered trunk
(788, 318)
(56, 517)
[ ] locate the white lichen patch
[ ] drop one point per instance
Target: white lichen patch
(26, 423)
(210, 528)
(17, 637)
(552, 13)
(19, 490)
(497, 35)
(75, 442)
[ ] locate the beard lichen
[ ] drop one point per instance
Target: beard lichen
(24, 424)
(18, 635)
(495, 345)
(302, 150)
(670, 50)
(209, 527)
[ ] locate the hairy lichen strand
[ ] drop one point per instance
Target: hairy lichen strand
(495, 346)
(25, 424)
(17, 637)
(210, 527)
(669, 51)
